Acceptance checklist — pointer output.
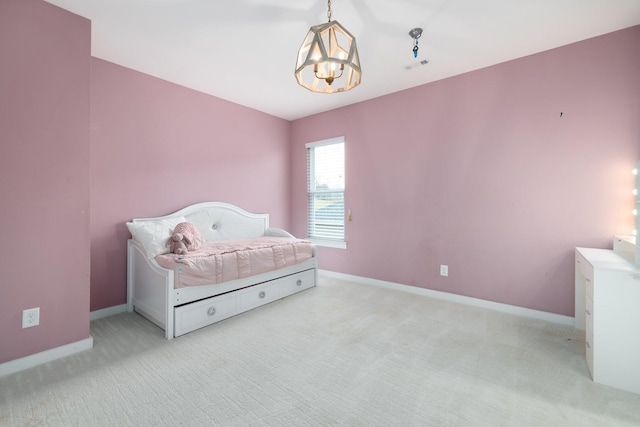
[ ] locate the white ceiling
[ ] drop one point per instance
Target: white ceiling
(245, 50)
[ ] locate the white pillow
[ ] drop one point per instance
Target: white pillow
(153, 235)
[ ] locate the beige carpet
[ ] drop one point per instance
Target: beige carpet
(341, 354)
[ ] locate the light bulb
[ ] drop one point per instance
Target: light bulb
(634, 232)
(635, 212)
(634, 171)
(634, 191)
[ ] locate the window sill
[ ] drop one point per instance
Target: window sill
(338, 244)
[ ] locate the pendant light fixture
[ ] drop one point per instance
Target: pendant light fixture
(328, 60)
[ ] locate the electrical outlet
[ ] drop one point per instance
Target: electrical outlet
(31, 317)
(444, 270)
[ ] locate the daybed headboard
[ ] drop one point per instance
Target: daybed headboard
(218, 221)
(214, 220)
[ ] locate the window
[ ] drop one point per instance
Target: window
(325, 172)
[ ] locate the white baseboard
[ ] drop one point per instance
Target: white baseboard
(461, 299)
(33, 360)
(43, 357)
(109, 311)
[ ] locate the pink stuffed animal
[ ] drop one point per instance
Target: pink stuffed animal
(177, 244)
(186, 237)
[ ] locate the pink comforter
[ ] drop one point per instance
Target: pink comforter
(224, 260)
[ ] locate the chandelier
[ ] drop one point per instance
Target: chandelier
(328, 59)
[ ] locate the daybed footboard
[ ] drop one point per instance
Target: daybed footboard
(149, 288)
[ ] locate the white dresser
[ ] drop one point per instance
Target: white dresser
(607, 286)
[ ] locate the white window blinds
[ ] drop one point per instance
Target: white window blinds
(325, 166)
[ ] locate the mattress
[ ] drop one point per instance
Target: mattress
(224, 260)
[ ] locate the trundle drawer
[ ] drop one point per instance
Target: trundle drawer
(203, 313)
(258, 295)
(297, 282)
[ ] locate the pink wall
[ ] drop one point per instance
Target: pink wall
(480, 172)
(44, 176)
(157, 147)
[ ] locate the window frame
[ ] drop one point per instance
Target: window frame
(340, 243)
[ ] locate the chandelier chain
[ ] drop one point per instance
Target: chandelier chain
(329, 10)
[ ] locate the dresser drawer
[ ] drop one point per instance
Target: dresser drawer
(202, 313)
(296, 282)
(588, 288)
(585, 268)
(588, 349)
(588, 313)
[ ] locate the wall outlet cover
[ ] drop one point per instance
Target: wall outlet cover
(31, 317)
(444, 270)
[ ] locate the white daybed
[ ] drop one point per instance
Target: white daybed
(153, 291)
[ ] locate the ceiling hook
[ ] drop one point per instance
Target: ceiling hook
(415, 35)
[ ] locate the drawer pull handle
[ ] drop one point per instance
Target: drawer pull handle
(299, 283)
(588, 312)
(211, 311)
(588, 280)
(262, 294)
(588, 345)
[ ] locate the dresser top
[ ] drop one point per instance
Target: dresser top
(608, 260)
